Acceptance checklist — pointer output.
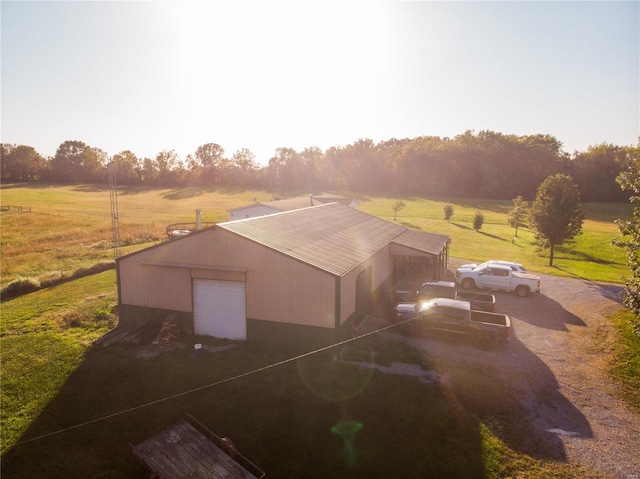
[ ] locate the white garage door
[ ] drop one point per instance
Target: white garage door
(219, 309)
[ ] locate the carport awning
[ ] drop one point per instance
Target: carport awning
(420, 242)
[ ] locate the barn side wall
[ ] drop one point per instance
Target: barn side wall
(278, 289)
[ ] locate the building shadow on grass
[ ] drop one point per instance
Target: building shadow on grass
(272, 417)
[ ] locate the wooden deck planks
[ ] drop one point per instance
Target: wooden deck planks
(182, 451)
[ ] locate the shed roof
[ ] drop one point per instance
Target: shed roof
(332, 237)
(421, 241)
(287, 204)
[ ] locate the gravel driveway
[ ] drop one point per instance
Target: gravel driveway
(555, 370)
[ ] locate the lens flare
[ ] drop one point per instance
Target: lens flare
(347, 430)
(329, 377)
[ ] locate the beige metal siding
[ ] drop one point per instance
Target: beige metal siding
(220, 275)
(382, 265)
(159, 287)
(381, 268)
(278, 288)
(348, 293)
(297, 296)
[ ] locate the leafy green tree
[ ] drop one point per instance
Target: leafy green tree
(76, 162)
(128, 168)
(478, 221)
(396, 206)
(629, 180)
(206, 163)
(518, 214)
(556, 213)
(422, 166)
(362, 166)
(21, 163)
(149, 172)
(448, 211)
(242, 167)
(596, 169)
(166, 162)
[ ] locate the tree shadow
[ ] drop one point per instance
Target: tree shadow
(184, 193)
(578, 256)
(91, 188)
(493, 236)
(461, 226)
(35, 185)
(495, 206)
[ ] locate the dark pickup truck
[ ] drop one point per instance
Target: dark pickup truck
(445, 289)
(455, 319)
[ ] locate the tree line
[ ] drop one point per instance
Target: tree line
(486, 164)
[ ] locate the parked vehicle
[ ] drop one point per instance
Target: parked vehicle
(454, 318)
(517, 267)
(499, 277)
(447, 289)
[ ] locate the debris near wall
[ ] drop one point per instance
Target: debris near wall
(128, 335)
(168, 332)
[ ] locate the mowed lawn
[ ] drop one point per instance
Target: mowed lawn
(56, 385)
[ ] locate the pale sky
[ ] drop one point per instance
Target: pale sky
(152, 76)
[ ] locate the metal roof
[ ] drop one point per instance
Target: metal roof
(286, 204)
(421, 241)
(332, 237)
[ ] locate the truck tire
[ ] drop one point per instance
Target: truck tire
(486, 342)
(468, 283)
(522, 291)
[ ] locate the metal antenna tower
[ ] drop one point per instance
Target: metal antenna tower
(115, 222)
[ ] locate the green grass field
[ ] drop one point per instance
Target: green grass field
(53, 379)
(590, 257)
(70, 226)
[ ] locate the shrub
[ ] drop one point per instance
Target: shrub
(94, 312)
(478, 221)
(448, 211)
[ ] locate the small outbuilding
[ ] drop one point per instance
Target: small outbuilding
(260, 208)
(299, 278)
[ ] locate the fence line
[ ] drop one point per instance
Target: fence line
(16, 208)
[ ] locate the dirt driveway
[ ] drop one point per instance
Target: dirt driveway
(563, 405)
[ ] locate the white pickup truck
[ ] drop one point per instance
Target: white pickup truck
(494, 276)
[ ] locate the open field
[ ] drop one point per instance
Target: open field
(70, 226)
(52, 378)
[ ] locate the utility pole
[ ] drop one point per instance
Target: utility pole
(115, 222)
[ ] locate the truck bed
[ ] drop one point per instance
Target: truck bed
(491, 318)
(479, 301)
